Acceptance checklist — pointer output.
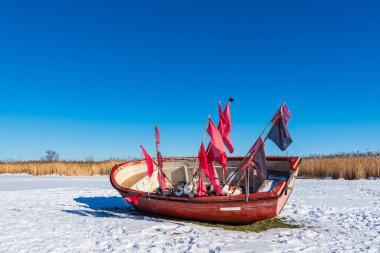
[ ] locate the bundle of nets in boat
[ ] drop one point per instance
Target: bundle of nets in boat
(190, 189)
(185, 189)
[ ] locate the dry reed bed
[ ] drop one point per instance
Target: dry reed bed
(348, 166)
(58, 167)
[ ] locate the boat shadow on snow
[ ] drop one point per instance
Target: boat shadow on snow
(106, 207)
(110, 207)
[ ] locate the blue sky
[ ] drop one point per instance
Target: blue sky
(89, 78)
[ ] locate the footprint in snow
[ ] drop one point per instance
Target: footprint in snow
(159, 229)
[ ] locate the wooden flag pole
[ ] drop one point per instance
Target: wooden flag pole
(238, 183)
(246, 173)
(203, 140)
(247, 186)
(249, 153)
(208, 150)
(223, 174)
(163, 173)
(241, 178)
(158, 168)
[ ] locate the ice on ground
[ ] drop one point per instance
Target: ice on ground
(84, 214)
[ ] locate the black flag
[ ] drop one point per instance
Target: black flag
(279, 134)
(261, 164)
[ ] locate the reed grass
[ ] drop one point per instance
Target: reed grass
(342, 165)
(67, 168)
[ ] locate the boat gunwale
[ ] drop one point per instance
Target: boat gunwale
(277, 193)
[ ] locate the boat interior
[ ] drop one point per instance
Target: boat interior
(180, 171)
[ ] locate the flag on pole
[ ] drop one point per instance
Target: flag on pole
(225, 127)
(261, 163)
(202, 157)
(257, 159)
(214, 178)
(160, 162)
(279, 133)
(149, 161)
(160, 174)
(227, 116)
(222, 121)
(285, 114)
(256, 145)
(201, 190)
(217, 151)
(157, 136)
(161, 180)
(249, 163)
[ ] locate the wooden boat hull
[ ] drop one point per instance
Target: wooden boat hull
(223, 209)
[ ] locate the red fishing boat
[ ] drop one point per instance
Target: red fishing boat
(266, 200)
(196, 187)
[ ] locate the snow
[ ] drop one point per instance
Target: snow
(85, 214)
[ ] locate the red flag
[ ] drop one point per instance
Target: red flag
(203, 163)
(225, 127)
(161, 180)
(285, 114)
(227, 118)
(211, 157)
(133, 199)
(227, 141)
(214, 179)
(157, 136)
(160, 175)
(149, 161)
(222, 121)
(249, 162)
(201, 190)
(160, 160)
(159, 156)
(217, 151)
(259, 142)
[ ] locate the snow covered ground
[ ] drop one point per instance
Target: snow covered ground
(84, 214)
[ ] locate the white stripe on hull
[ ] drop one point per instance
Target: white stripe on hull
(230, 208)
